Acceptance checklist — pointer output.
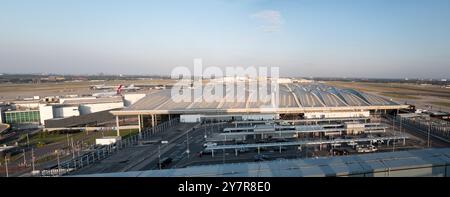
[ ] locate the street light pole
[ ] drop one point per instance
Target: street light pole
(73, 149)
(159, 156)
(24, 159)
(395, 133)
(28, 141)
(428, 136)
(187, 143)
(6, 165)
(68, 143)
(159, 153)
(57, 158)
(32, 158)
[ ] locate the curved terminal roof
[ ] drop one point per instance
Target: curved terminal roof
(290, 97)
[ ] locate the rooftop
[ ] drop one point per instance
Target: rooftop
(93, 101)
(426, 162)
(293, 97)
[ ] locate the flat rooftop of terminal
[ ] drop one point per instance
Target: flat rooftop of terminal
(293, 97)
(93, 100)
(425, 162)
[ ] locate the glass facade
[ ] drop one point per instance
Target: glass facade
(18, 117)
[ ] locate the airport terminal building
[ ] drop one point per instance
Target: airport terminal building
(309, 100)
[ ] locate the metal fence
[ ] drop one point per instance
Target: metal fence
(97, 153)
(426, 126)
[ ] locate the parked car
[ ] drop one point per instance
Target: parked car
(366, 148)
(352, 144)
(209, 144)
(379, 142)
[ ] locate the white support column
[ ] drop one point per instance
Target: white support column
(117, 126)
(153, 120)
(140, 124)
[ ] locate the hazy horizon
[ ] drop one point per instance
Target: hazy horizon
(322, 38)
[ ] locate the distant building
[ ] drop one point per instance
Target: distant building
(284, 80)
(36, 112)
(22, 117)
(302, 81)
(52, 78)
(4, 107)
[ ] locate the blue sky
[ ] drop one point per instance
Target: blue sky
(322, 38)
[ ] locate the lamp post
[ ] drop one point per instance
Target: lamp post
(28, 141)
(159, 153)
(428, 136)
(67, 136)
(6, 166)
(73, 148)
(159, 156)
(57, 158)
(24, 159)
(32, 159)
(187, 144)
(395, 133)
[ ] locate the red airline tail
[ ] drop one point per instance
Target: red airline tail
(119, 89)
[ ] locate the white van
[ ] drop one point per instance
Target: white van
(207, 144)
